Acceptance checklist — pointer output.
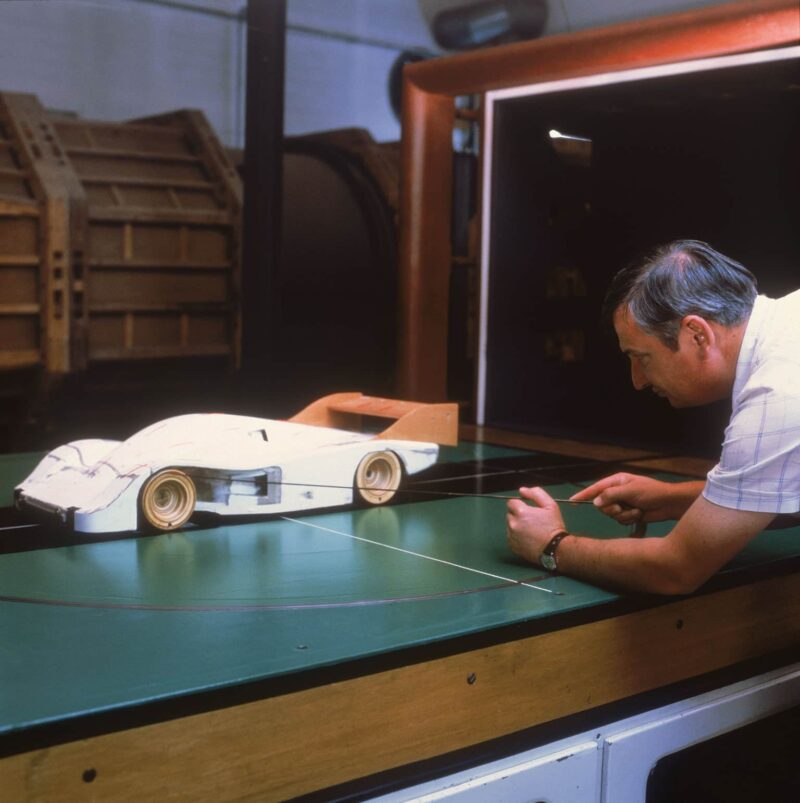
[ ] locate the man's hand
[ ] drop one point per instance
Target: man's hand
(631, 499)
(704, 539)
(531, 528)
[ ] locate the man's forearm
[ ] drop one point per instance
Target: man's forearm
(682, 496)
(633, 564)
(700, 543)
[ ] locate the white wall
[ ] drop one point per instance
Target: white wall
(119, 59)
(334, 84)
(338, 82)
(115, 60)
(575, 15)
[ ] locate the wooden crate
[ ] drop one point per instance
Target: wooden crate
(42, 224)
(118, 241)
(163, 238)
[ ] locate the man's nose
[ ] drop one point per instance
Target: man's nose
(638, 377)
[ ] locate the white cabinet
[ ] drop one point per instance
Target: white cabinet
(612, 763)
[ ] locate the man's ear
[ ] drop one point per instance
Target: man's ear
(697, 332)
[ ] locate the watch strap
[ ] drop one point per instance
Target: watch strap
(549, 552)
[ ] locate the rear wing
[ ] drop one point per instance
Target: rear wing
(413, 421)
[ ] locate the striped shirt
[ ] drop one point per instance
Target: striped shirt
(759, 468)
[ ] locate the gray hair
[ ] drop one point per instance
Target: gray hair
(684, 277)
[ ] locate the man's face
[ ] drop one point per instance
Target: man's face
(676, 376)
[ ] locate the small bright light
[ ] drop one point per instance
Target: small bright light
(554, 134)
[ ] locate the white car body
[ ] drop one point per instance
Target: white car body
(239, 465)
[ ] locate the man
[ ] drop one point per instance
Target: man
(695, 331)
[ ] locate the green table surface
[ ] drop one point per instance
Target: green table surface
(89, 628)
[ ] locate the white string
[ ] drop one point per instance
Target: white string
(420, 555)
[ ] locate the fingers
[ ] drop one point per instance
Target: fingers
(539, 496)
(516, 506)
(601, 485)
(605, 501)
(623, 496)
(544, 507)
(622, 514)
(530, 526)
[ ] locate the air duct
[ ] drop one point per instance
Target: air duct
(490, 22)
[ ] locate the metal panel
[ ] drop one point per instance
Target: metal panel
(567, 775)
(631, 754)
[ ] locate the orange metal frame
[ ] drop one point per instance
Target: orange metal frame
(429, 92)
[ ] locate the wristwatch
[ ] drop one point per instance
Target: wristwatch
(548, 557)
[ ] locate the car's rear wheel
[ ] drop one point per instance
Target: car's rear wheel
(168, 499)
(378, 477)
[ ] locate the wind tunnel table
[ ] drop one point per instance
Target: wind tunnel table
(341, 653)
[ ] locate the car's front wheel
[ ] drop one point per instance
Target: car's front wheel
(378, 477)
(168, 499)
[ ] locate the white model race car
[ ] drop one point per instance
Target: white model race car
(238, 465)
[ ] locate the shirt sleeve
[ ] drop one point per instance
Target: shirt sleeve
(759, 468)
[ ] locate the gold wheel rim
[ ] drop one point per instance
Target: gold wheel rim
(378, 477)
(168, 499)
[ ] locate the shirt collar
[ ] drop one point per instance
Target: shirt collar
(747, 353)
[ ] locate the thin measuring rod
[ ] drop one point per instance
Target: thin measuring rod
(426, 493)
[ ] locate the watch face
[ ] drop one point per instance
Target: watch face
(549, 562)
